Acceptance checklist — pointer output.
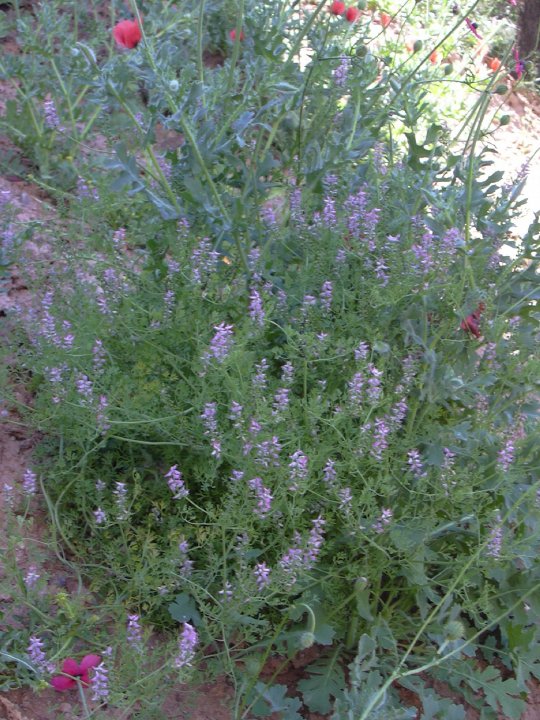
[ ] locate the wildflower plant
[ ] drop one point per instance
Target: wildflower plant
(267, 386)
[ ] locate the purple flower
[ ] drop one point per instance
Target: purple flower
(361, 351)
(121, 500)
(262, 575)
(204, 261)
(263, 497)
(100, 683)
(119, 237)
(380, 271)
(268, 452)
(384, 520)
(99, 516)
(415, 463)
(287, 373)
(494, 544)
(398, 413)
(374, 389)
(314, 543)
(208, 416)
(186, 566)
(176, 483)
(227, 592)
(326, 295)
(380, 438)
(236, 476)
(186, 646)
(52, 121)
(423, 253)
(221, 343)
(31, 577)
(345, 499)
(259, 379)
(98, 353)
(356, 389)
(84, 386)
(36, 653)
(341, 257)
(235, 414)
(134, 633)
(329, 472)
(101, 416)
(356, 205)
(281, 401)
(329, 212)
(256, 310)
(505, 457)
(298, 469)
(308, 301)
(342, 71)
(29, 482)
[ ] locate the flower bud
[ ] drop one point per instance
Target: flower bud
(501, 90)
(306, 640)
(418, 45)
(505, 120)
(455, 630)
(174, 85)
(448, 68)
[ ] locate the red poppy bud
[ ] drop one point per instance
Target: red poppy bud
(352, 14)
(386, 19)
(337, 7)
(127, 33)
(232, 34)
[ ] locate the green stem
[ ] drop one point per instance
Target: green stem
(67, 97)
(83, 698)
(200, 64)
(236, 46)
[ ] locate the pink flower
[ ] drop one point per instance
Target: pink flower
(473, 27)
(71, 668)
(520, 65)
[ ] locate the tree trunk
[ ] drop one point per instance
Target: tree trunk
(529, 30)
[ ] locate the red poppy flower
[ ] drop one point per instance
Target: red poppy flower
(494, 64)
(127, 33)
(352, 14)
(435, 57)
(70, 667)
(386, 19)
(470, 324)
(232, 34)
(337, 7)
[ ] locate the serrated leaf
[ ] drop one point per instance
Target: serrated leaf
(273, 700)
(438, 708)
(498, 692)
(326, 680)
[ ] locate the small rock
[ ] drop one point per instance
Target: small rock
(65, 708)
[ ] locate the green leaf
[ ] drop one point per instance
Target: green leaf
(183, 609)
(326, 680)
(498, 692)
(273, 700)
(438, 708)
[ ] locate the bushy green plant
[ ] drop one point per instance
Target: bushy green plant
(287, 383)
